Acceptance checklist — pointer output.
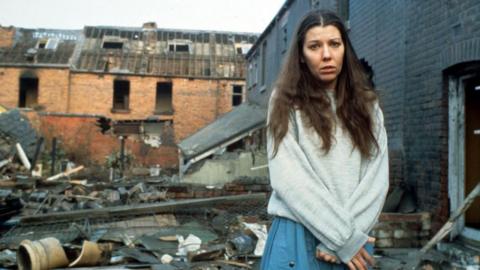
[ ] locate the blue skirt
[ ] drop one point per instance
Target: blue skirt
(291, 246)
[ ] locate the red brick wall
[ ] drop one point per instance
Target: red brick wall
(196, 102)
(83, 142)
(52, 87)
(6, 36)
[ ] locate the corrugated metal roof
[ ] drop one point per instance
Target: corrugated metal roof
(241, 119)
(164, 52)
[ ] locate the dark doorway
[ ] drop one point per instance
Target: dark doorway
(28, 93)
(472, 147)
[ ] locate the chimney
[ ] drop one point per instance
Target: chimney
(7, 35)
(150, 36)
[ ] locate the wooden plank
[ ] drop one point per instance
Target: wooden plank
(162, 207)
(447, 227)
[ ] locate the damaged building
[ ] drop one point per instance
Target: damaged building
(156, 86)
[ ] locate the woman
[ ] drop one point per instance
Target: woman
(327, 151)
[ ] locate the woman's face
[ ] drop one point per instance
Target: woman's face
(323, 52)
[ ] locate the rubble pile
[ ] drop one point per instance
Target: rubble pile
(147, 219)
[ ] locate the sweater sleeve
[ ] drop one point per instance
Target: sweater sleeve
(374, 182)
(295, 182)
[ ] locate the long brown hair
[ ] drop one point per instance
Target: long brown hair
(296, 87)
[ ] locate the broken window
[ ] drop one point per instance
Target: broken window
(179, 46)
(237, 95)
(112, 45)
(163, 103)
(48, 43)
(242, 48)
(28, 92)
(42, 43)
(121, 92)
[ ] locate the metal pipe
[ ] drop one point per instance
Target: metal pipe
(23, 157)
(53, 154)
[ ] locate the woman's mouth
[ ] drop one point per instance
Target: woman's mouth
(328, 69)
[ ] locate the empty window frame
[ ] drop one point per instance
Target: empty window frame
(163, 102)
(28, 96)
(121, 93)
(42, 43)
(112, 45)
(48, 43)
(181, 47)
(237, 95)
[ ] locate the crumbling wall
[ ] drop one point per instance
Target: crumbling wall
(83, 142)
(195, 102)
(221, 171)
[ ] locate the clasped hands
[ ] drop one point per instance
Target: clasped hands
(360, 261)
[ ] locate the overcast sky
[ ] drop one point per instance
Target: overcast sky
(223, 15)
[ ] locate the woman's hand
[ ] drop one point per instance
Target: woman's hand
(362, 259)
(333, 259)
(326, 257)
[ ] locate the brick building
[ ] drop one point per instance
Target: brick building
(140, 78)
(425, 61)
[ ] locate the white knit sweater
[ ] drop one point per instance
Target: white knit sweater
(337, 196)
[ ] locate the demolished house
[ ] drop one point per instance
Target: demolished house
(180, 80)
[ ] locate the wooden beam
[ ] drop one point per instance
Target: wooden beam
(162, 207)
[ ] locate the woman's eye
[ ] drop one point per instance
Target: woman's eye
(335, 44)
(313, 47)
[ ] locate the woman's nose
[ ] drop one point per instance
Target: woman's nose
(326, 53)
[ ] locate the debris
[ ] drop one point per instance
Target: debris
(451, 221)
(43, 254)
(65, 174)
(239, 245)
(260, 231)
(93, 254)
(189, 244)
(137, 255)
(207, 254)
(166, 259)
(446, 228)
(23, 157)
(161, 207)
(5, 162)
(8, 258)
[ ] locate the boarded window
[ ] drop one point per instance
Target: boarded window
(28, 92)
(121, 92)
(237, 95)
(163, 103)
(112, 45)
